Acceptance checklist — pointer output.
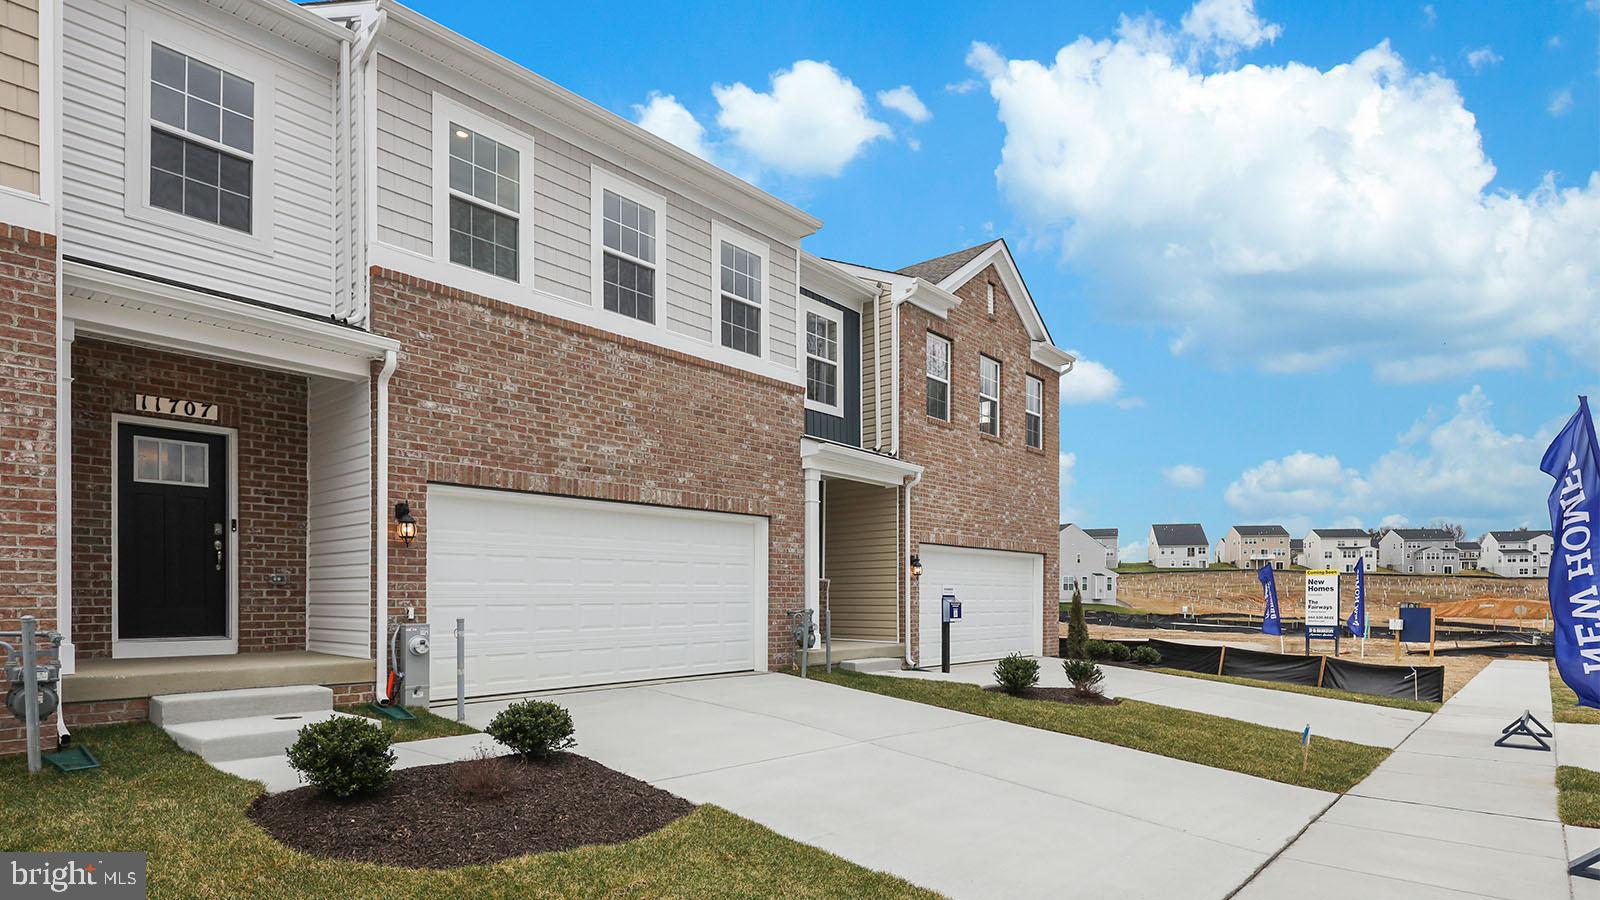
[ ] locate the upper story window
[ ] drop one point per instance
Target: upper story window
(202, 139)
(485, 202)
(823, 333)
(988, 395)
(1035, 412)
(628, 270)
(938, 377)
(740, 267)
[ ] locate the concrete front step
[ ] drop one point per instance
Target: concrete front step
(879, 664)
(205, 706)
(221, 740)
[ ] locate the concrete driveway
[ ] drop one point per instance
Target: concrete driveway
(967, 806)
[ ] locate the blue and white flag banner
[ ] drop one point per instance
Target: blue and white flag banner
(1574, 587)
(1271, 623)
(1357, 623)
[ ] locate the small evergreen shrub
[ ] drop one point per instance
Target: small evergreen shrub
(1096, 651)
(1016, 673)
(345, 756)
(1147, 656)
(1120, 652)
(533, 728)
(1085, 677)
(1077, 630)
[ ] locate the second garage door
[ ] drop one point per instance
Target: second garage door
(559, 592)
(1001, 596)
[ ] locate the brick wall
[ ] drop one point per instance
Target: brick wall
(490, 394)
(977, 490)
(269, 411)
(27, 427)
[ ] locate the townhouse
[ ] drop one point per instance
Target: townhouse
(1419, 551)
(1179, 546)
(1088, 564)
(1471, 554)
(1339, 549)
(324, 318)
(1253, 546)
(1520, 553)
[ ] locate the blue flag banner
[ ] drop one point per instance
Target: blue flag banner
(1270, 622)
(1357, 623)
(1574, 587)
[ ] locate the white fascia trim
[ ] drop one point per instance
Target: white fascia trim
(839, 461)
(1000, 256)
(26, 210)
(126, 307)
(1052, 357)
(295, 22)
(590, 126)
(831, 281)
(929, 296)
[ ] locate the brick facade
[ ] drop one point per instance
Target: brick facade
(269, 411)
(494, 395)
(977, 490)
(27, 427)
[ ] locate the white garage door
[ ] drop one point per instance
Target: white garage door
(1002, 602)
(558, 592)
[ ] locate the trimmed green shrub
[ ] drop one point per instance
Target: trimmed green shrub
(533, 728)
(345, 756)
(1120, 652)
(1096, 651)
(1085, 677)
(1016, 673)
(1077, 630)
(1146, 656)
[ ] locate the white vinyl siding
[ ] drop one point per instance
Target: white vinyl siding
(288, 260)
(338, 517)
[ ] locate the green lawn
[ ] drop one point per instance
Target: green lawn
(1565, 703)
(1579, 801)
(1352, 696)
(189, 817)
(425, 725)
(1209, 740)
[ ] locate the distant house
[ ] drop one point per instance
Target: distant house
(1517, 554)
(1339, 548)
(1297, 551)
(1087, 565)
(1251, 546)
(1108, 537)
(1471, 552)
(1179, 546)
(1419, 551)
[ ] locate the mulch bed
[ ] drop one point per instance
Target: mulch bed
(1062, 695)
(472, 812)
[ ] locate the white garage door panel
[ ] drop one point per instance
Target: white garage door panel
(559, 592)
(1002, 605)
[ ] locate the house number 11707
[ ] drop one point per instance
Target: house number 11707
(189, 409)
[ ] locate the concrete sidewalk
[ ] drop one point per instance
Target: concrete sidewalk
(967, 806)
(1362, 723)
(1447, 815)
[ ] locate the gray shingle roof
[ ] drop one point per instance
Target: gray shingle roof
(1521, 534)
(1339, 532)
(1099, 533)
(1261, 530)
(1296, 544)
(1180, 535)
(941, 267)
(1468, 545)
(1424, 534)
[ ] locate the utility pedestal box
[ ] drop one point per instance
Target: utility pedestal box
(411, 661)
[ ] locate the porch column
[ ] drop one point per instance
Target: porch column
(813, 569)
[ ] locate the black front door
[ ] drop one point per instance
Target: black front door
(172, 533)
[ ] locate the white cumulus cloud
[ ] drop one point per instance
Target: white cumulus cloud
(813, 121)
(1560, 102)
(1133, 551)
(1480, 58)
(663, 116)
(1350, 207)
(1185, 476)
(1068, 462)
(1093, 382)
(904, 100)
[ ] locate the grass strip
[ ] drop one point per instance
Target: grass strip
(1579, 800)
(1312, 690)
(425, 725)
(1564, 703)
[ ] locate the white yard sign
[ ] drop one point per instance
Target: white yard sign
(1322, 604)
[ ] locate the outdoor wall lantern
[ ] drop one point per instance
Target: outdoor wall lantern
(916, 566)
(405, 526)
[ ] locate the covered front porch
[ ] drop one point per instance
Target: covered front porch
(220, 500)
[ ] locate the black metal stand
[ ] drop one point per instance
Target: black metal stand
(1584, 866)
(944, 646)
(1524, 727)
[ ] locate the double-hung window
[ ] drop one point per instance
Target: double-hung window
(989, 395)
(823, 335)
(938, 377)
(740, 271)
(485, 202)
(1035, 413)
(628, 270)
(202, 139)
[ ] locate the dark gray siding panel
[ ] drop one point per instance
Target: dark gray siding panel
(845, 430)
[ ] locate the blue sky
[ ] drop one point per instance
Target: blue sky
(1327, 264)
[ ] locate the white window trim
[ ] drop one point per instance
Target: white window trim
(949, 350)
(722, 233)
(467, 278)
(146, 27)
(600, 181)
(809, 306)
(999, 379)
(1029, 384)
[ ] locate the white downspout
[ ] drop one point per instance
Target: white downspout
(906, 602)
(346, 256)
(813, 560)
(380, 524)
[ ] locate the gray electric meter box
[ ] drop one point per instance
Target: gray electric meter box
(411, 661)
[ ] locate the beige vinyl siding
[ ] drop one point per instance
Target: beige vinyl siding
(19, 95)
(860, 560)
(561, 263)
(889, 378)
